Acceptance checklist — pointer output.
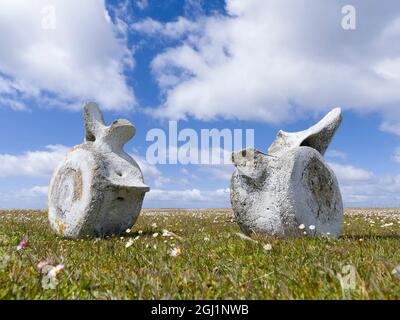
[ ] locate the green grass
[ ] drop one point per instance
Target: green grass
(224, 267)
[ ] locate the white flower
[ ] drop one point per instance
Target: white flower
(49, 280)
(176, 252)
(155, 235)
(206, 239)
(302, 226)
(387, 225)
(140, 231)
(154, 225)
(128, 230)
(396, 271)
(56, 270)
(129, 243)
(166, 233)
(311, 227)
(267, 247)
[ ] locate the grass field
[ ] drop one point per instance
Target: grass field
(210, 260)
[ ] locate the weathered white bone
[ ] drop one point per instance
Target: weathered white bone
(292, 185)
(98, 189)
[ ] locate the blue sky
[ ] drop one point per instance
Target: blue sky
(236, 64)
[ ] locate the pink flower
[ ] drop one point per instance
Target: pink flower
(49, 279)
(176, 252)
(42, 264)
(56, 270)
(24, 243)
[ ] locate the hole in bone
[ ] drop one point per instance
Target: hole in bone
(312, 142)
(244, 153)
(90, 137)
(119, 173)
(120, 199)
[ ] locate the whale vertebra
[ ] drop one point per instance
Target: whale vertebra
(98, 189)
(291, 185)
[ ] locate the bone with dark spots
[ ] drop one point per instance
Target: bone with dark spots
(98, 189)
(273, 193)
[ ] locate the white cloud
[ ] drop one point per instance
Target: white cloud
(153, 176)
(188, 174)
(380, 192)
(175, 195)
(277, 60)
(222, 172)
(174, 30)
(13, 104)
(389, 69)
(347, 173)
(36, 191)
(336, 154)
(396, 155)
(25, 198)
(391, 127)
(82, 58)
(193, 8)
(148, 170)
(32, 163)
(188, 198)
(142, 4)
(360, 187)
